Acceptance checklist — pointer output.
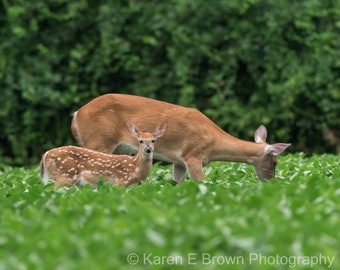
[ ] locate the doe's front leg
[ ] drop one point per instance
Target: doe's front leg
(179, 171)
(195, 168)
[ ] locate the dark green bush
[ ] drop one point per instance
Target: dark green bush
(243, 63)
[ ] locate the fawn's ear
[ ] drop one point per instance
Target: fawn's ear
(160, 130)
(260, 134)
(133, 130)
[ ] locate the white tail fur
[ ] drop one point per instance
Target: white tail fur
(43, 171)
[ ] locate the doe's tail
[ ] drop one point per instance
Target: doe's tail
(75, 129)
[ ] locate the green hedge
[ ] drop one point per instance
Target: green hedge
(243, 63)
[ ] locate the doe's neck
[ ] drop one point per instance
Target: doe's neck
(230, 148)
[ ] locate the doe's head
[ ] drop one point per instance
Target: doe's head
(265, 166)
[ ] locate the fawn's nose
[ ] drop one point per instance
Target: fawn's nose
(148, 150)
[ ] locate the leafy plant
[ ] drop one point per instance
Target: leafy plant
(225, 221)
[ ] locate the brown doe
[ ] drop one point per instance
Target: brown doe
(69, 165)
(192, 140)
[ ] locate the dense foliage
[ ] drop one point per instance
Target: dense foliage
(243, 63)
(231, 216)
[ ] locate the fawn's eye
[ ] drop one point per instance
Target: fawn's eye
(153, 141)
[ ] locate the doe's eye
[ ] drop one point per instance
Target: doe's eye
(153, 141)
(141, 141)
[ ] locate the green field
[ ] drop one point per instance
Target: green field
(231, 221)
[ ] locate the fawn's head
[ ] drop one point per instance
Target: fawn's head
(147, 140)
(265, 166)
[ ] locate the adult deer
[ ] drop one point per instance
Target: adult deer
(192, 139)
(69, 165)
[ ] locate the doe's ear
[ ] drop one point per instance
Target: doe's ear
(133, 130)
(276, 148)
(260, 134)
(160, 130)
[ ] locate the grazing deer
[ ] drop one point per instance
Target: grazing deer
(69, 165)
(192, 139)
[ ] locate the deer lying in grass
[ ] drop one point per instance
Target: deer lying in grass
(192, 140)
(69, 165)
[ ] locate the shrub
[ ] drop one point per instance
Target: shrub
(243, 63)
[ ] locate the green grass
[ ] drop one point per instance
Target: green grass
(233, 219)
